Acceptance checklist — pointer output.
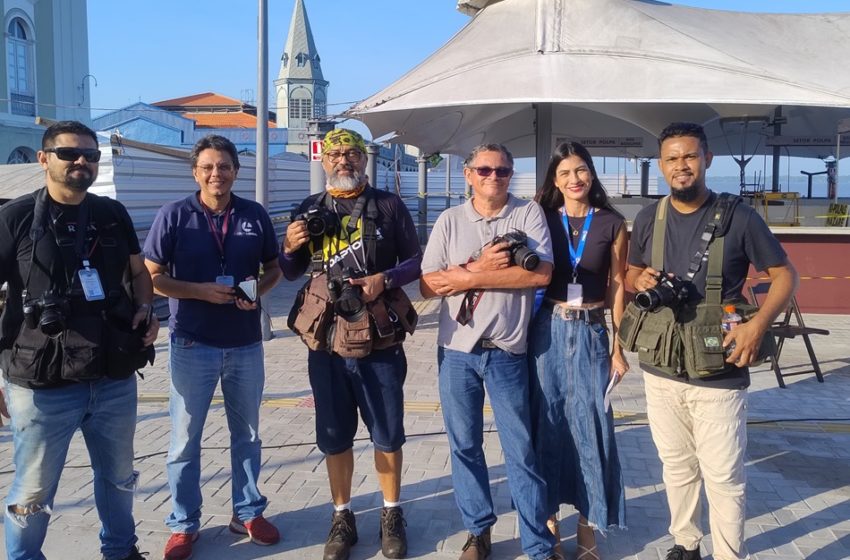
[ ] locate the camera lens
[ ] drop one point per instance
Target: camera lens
(349, 305)
(647, 301)
(526, 258)
(52, 321)
(316, 225)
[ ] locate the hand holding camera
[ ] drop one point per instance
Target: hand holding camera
(517, 249)
(668, 291)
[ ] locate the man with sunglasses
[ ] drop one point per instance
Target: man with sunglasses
(364, 241)
(485, 345)
(65, 255)
(201, 251)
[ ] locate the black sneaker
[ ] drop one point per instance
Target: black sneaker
(392, 533)
(342, 537)
(134, 555)
(679, 552)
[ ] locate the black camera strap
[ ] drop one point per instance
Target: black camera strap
(720, 215)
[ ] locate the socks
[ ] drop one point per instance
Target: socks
(391, 504)
(342, 507)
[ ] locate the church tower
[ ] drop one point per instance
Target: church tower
(302, 91)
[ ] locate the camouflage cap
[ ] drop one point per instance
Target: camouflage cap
(339, 137)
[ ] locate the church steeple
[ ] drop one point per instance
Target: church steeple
(301, 87)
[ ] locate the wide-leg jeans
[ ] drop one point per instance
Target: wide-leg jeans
(195, 372)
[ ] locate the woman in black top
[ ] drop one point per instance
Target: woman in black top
(569, 352)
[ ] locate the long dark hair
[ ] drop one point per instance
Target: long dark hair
(550, 197)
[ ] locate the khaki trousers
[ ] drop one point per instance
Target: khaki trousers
(701, 436)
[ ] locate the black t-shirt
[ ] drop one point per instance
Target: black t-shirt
(595, 264)
(748, 241)
(397, 246)
(109, 224)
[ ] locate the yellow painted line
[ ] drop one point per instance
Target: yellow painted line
(432, 407)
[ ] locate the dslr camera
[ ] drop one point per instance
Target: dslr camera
(521, 255)
(320, 221)
(347, 297)
(47, 313)
(669, 292)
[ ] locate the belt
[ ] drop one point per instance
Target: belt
(595, 315)
(487, 344)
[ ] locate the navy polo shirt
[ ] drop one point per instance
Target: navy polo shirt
(181, 240)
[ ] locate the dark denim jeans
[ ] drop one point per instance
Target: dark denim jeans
(463, 377)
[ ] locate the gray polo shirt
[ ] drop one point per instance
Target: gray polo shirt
(502, 315)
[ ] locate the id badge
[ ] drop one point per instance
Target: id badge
(90, 282)
(574, 294)
(225, 281)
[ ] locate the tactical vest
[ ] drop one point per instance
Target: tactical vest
(688, 338)
(389, 318)
(97, 340)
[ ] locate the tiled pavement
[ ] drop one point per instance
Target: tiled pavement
(799, 472)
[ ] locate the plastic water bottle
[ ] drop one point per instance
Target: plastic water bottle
(730, 320)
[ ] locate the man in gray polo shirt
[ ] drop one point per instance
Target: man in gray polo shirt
(484, 314)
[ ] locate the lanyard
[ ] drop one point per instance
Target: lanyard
(576, 253)
(219, 236)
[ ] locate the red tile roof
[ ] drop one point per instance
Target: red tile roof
(225, 120)
(200, 100)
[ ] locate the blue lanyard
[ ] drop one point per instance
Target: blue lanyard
(576, 253)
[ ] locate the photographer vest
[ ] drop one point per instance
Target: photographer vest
(94, 342)
(389, 318)
(687, 339)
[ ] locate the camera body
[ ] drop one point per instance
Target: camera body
(670, 291)
(48, 313)
(347, 297)
(320, 221)
(521, 255)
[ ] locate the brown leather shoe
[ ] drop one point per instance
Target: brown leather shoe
(477, 547)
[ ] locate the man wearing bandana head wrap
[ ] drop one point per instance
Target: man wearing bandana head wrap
(372, 384)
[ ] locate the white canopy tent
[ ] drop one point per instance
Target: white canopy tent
(613, 73)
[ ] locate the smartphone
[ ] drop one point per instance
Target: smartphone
(247, 290)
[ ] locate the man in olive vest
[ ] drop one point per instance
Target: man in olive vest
(699, 424)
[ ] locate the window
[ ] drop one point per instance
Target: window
(20, 155)
(285, 60)
(301, 59)
(320, 107)
(20, 67)
(300, 108)
(316, 61)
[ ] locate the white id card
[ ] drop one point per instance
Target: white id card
(90, 282)
(225, 281)
(574, 294)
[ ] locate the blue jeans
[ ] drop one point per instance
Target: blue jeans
(573, 432)
(43, 423)
(195, 371)
(463, 377)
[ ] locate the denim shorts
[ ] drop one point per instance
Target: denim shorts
(373, 384)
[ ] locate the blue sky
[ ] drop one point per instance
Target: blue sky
(156, 49)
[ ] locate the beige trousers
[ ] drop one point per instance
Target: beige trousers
(701, 436)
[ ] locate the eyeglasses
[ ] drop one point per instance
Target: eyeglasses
(351, 155)
(73, 154)
(501, 172)
(207, 169)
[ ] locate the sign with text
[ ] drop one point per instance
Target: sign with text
(606, 141)
(806, 141)
(315, 150)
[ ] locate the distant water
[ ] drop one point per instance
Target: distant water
(797, 184)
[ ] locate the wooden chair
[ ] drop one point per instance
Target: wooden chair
(783, 329)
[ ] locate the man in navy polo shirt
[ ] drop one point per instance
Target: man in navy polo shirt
(198, 250)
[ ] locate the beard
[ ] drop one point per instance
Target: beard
(686, 194)
(347, 183)
(79, 182)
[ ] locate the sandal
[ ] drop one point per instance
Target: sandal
(585, 552)
(554, 527)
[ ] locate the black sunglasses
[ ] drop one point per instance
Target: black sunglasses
(501, 172)
(73, 154)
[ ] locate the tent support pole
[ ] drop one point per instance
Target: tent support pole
(543, 139)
